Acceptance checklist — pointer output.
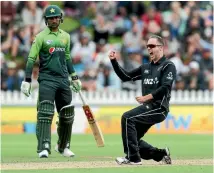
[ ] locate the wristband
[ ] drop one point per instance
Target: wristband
(74, 77)
(28, 80)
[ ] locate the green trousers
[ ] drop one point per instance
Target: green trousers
(57, 91)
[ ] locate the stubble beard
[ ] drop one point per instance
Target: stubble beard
(154, 58)
(54, 26)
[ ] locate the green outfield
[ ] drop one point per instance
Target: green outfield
(190, 153)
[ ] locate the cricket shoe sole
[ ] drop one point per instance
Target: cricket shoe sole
(167, 159)
(124, 161)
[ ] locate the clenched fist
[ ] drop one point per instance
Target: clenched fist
(112, 55)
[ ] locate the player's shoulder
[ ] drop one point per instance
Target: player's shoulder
(41, 34)
(167, 64)
(64, 33)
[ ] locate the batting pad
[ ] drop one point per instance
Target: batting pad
(43, 127)
(66, 119)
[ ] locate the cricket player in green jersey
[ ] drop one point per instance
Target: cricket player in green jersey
(52, 46)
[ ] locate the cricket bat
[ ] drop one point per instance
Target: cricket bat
(92, 122)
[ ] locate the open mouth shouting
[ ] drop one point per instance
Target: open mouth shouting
(151, 54)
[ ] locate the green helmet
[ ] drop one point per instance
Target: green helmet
(52, 11)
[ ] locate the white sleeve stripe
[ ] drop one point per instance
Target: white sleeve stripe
(124, 72)
(162, 101)
(127, 74)
(136, 76)
(166, 66)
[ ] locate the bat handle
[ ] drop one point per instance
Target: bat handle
(82, 98)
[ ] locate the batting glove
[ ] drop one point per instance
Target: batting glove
(76, 84)
(26, 88)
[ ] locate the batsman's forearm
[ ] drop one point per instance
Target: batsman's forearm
(29, 69)
(70, 66)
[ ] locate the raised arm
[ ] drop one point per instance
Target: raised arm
(123, 74)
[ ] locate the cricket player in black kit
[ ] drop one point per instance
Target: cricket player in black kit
(157, 79)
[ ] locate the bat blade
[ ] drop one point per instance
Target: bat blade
(94, 126)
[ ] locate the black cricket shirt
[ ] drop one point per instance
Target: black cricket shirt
(157, 79)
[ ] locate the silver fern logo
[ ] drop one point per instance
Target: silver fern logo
(169, 76)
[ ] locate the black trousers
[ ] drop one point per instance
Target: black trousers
(135, 123)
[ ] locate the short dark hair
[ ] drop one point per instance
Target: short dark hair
(159, 39)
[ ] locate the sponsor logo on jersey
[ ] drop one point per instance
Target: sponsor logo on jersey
(57, 49)
(51, 50)
(49, 41)
(63, 41)
(146, 71)
(150, 81)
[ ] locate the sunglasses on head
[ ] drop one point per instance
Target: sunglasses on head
(152, 45)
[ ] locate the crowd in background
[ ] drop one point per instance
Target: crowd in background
(187, 29)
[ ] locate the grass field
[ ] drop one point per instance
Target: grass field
(190, 153)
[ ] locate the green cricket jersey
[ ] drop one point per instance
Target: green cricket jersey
(53, 49)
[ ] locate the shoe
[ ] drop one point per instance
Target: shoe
(167, 159)
(123, 160)
(43, 154)
(67, 152)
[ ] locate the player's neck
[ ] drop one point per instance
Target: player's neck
(54, 29)
(158, 58)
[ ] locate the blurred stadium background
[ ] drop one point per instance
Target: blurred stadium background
(97, 27)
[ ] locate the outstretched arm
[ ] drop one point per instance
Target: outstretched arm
(123, 74)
